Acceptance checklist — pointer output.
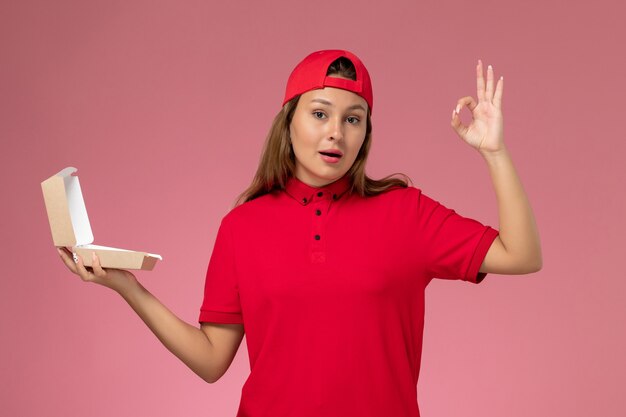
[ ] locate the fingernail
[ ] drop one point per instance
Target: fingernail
(93, 256)
(490, 67)
(75, 257)
(457, 109)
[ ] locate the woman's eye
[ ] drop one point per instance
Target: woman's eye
(316, 113)
(353, 120)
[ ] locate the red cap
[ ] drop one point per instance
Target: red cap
(310, 74)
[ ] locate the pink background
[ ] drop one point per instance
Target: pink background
(164, 106)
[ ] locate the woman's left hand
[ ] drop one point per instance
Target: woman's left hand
(485, 132)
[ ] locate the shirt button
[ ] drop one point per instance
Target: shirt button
(334, 196)
(320, 194)
(317, 237)
(318, 212)
(304, 200)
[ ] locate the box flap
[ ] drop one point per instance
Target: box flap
(66, 209)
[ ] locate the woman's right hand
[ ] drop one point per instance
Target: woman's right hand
(208, 351)
(116, 279)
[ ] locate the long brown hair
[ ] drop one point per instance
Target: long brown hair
(277, 162)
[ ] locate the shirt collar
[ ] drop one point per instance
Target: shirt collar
(304, 193)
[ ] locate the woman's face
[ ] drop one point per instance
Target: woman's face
(327, 121)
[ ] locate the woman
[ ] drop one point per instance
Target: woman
(326, 268)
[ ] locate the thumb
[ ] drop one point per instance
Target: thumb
(456, 124)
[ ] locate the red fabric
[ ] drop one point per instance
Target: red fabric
(334, 325)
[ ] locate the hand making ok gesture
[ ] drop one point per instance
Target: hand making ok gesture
(485, 132)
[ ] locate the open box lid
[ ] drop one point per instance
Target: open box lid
(66, 209)
(70, 225)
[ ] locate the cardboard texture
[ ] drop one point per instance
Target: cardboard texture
(70, 225)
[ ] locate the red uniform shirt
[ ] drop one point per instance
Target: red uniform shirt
(330, 289)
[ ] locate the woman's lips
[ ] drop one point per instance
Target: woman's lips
(329, 158)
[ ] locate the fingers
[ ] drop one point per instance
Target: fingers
(94, 273)
(465, 101)
(67, 260)
(85, 274)
(486, 91)
(97, 268)
(489, 89)
(497, 97)
(456, 119)
(456, 124)
(480, 81)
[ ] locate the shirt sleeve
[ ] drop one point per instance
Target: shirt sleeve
(454, 246)
(221, 292)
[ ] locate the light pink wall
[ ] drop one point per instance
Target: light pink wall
(163, 107)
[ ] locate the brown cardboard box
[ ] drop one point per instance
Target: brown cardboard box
(70, 226)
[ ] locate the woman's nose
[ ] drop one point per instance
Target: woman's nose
(336, 129)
